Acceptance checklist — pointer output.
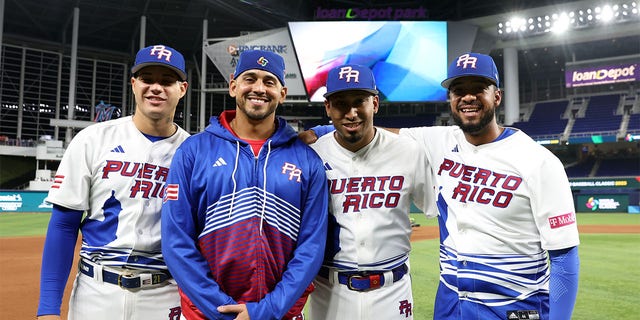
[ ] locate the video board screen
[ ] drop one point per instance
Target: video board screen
(408, 58)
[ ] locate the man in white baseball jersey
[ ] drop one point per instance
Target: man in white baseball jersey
(505, 209)
(373, 177)
(115, 171)
(508, 232)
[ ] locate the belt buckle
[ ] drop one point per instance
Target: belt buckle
(350, 284)
(120, 276)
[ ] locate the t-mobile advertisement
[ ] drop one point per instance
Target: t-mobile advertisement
(578, 76)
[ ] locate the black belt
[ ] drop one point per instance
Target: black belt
(124, 280)
(365, 280)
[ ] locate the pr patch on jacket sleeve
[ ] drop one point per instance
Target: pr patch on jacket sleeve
(171, 193)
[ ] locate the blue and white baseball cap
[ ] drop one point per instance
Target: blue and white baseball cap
(472, 64)
(160, 55)
(350, 77)
(262, 60)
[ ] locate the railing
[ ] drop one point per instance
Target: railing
(4, 141)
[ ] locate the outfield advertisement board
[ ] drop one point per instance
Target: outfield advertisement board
(24, 201)
(599, 183)
(602, 203)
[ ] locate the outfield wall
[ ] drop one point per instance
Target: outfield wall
(604, 195)
(601, 200)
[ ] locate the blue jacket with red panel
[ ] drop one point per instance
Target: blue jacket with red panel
(239, 228)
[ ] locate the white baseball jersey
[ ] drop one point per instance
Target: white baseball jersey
(118, 175)
(371, 192)
(504, 204)
(369, 227)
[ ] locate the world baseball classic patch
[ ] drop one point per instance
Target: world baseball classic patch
(523, 314)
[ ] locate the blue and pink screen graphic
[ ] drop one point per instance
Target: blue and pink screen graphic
(408, 58)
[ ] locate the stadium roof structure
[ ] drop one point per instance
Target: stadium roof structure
(112, 27)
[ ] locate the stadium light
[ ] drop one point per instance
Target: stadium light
(559, 22)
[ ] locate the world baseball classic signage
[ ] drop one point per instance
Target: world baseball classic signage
(606, 74)
(612, 203)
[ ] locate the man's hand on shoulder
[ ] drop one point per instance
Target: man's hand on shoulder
(308, 136)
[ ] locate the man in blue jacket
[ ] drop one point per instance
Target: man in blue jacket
(244, 220)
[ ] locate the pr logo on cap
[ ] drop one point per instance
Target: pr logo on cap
(472, 64)
(350, 77)
(347, 73)
(161, 52)
(160, 55)
(467, 61)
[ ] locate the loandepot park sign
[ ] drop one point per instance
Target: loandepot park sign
(602, 71)
(388, 13)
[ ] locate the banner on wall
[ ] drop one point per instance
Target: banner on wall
(224, 55)
(24, 201)
(623, 69)
(604, 183)
(612, 203)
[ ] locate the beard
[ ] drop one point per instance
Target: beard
(474, 128)
(257, 114)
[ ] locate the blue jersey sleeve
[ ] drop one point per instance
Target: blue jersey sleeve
(57, 257)
(321, 130)
(563, 284)
(179, 236)
(308, 255)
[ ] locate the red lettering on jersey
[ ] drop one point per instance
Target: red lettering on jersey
(473, 193)
(377, 200)
(143, 186)
(161, 174)
(383, 183)
(498, 177)
(512, 183)
(562, 220)
(465, 192)
(151, 177)
(502, 199)
(351, 201)
(392, 200)
(157, 188)
(356, 202)
(446, 165)
(336, 186)
(485, 195)
(368, 184)
(111, 166)
(126, 172)
(456, 171)
(396, 183)
(354, 184)
(466, 173)
(462, 190)
(482, 176)
(147, 171)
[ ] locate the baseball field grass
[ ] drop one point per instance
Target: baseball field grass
(609, 274)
